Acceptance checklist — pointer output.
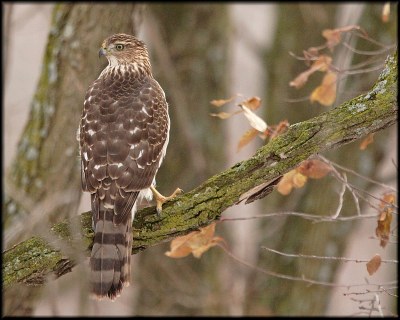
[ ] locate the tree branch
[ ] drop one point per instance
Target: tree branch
(30, 261)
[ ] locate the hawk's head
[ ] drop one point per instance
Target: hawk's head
(125, 49)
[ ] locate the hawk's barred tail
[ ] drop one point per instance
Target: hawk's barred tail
(111, 256)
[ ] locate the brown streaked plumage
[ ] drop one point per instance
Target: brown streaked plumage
(123, 137)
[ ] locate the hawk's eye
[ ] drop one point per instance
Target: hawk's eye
(119, 47)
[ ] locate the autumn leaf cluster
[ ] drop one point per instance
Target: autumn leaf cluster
(318, 61)
(258, 126)
(196, 243)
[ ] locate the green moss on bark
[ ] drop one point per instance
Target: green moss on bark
(29, 262)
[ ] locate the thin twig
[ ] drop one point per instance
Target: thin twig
(387, 241)
(356, 173)
(378, 301)
(374, 197)
(341, 194)
(380, 290)
(368, 53)
(364, 70)
(344, 182)
(299, 255)
(307, 216)
(351, 186)
(366, 37)
(303, 278)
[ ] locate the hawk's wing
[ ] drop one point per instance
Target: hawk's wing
(123, 138)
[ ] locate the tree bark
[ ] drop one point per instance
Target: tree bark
(29, 261)
(46, 169)
(47, 157)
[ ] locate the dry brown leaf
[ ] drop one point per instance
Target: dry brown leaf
(285, 186)
(374, 264)
(255, 121)
(387, 200)
(368, 140)
(253, 103)
(310, 54)
(247, 137)
(224, 115)
(299, 180)
(180, 247)
(302, 78)
(386, 12)
(196, 242)
(314, 168)
(321, 64)
(221, 102)
(333, 36)
(382, 231)
(325, 94)
(290, 180)
(277, 129)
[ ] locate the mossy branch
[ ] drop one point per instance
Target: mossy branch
(30, 261)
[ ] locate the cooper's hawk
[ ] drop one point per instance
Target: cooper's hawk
(123, 137)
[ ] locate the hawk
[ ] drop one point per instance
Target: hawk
(123, 136)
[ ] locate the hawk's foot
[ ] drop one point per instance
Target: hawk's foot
(160, 199)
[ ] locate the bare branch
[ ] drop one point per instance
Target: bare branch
(307, 216)
(302, 278)
(299, 255)
(356, 174)
(369, 52)
(380, 290)
(341, 194)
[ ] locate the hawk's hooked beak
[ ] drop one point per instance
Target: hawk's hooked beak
(102, 52)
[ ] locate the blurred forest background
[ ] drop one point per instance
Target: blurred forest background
(199, 52)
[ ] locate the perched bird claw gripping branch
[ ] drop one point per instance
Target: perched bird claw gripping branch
(123, 136)
(160, 199)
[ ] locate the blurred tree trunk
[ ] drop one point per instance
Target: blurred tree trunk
(252, 28)
(46, 169)
(188, 45)
(294, 235)
(7, 13)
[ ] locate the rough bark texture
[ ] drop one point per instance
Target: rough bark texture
(31, 260)
(47, 156)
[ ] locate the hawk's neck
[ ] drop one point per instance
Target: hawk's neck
(135, 69)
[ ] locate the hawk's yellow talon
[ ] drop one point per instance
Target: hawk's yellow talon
(160, 199)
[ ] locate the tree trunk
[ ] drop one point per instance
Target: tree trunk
(188, 47)
(47, 159)
(46, 171)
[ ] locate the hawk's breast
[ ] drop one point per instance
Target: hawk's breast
(124, 132)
